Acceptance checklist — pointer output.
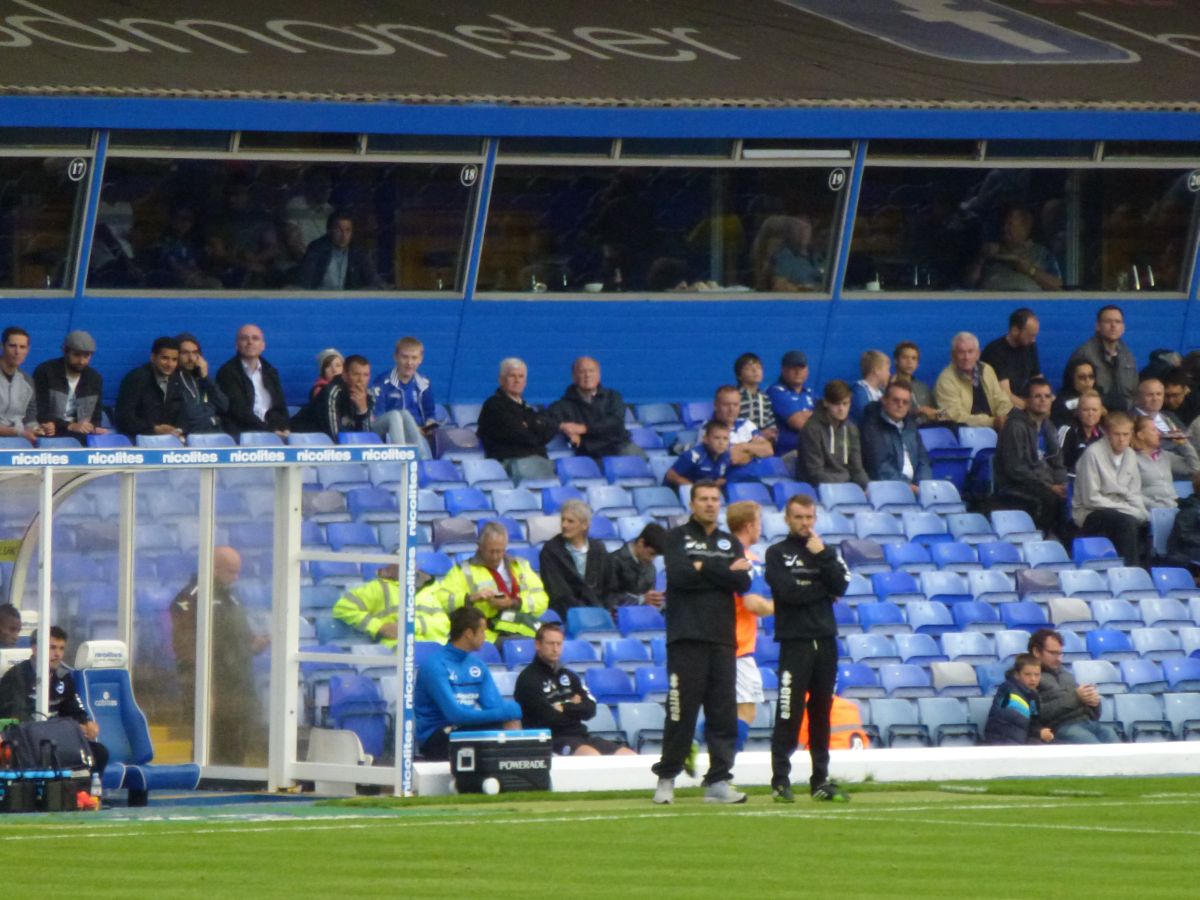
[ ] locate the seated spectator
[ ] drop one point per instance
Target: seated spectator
(253, 387)
(67, 391)
(830, 448)
(552, 696)
(18, 694)
(174, 260)
(791, 401)
(306, 215)
(783, 258)
(876, 372)
(1183, 543)
(18, 409)
(1014, 716)
(707, 461)
(1028, 466)
(10, 626)
(511, 430)
(1083, 431)
(374, 608)
(745, 443)
(505, 588)
(1160, 470)
(1070, 710)
(754, 404)
(907, 357)
(1107, 500)
(345, 404)
(574, 567)
(333, 263)
(1175, 439)
(892, 448)
(1079, 378)
(455, 689)
(1014, 355)
(194, 402)
(1112, 360)
(248, 234)
(592, 416)
(404, 398)
(968, 389)
(142, 400)
(631, 572)
(1016, 263)
(1178, 397)
(330, 364)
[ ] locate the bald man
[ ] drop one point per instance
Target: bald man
(255, 392)
(592, 416)
(235, 724)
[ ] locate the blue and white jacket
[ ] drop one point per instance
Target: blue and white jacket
(454, 688)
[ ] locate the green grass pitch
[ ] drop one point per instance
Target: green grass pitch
(1037, 838)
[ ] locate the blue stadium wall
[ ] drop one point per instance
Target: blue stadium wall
(650, 349)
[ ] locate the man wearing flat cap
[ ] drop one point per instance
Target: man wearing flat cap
(791, 400)
(67, 391)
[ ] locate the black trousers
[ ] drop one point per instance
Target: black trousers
(1046, 508)
(1123, 530)
(700, 673)
(805, 666)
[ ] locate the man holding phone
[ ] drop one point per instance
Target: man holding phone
(1070, 710)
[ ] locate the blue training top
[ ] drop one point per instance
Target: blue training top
(454, 687)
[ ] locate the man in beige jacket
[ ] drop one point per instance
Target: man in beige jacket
(968, 390)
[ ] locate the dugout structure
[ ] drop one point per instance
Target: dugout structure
(104, 541)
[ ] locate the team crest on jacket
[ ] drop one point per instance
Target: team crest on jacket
(723, 544)
(564, 680)
(475, 671)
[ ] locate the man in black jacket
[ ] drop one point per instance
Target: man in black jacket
(194, 401)
(252, 385)
(67, 391)
(806, 578)
(591, 416)
(1028, 466)
(574, 567)
(332, 263)
(706, 566)
(509, 428)
(345, 404)
(142, 401)
(554, 697)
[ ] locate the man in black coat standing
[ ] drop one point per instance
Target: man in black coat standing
(253, 387)
(806, 578)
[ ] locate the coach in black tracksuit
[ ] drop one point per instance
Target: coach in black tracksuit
(806, 578)
(705, 567)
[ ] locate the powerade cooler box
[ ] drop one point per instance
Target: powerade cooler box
(493, 761)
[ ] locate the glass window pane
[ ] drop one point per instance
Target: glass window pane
(1161, 149)
(213, 225)
(659, 229)
(290, 141)
(169, 140)
(1040, 149)
(40, 200)
(423, 143)
(539, 146)
(718, 148)
(906, 149)
(46, 137)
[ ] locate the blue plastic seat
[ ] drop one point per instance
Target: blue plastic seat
(1108, 643)
(580, 655)
(1165, 612)
(466, 415)
(1143, 676)
(657, 501)
(1119, 614)
(649, 440)
(948, 722)
(749, 490)
(591, 621)
(610, 500)
(659, 416)
(554, 497)
(640, 622)
(976, 615)
(628, 471)
(112, 439)
(956, 556)
(972, 647)
(1174, 582)
(858, 680)
(1047, 555)
(439, 474)
(1038, 585)
(696, 412)
(454, 534)
(859, 590)
(456, 444)
(971, 528)
(941, 497)
(783, 491)
(260, 439)
(642, 723)
(846, 617)
(1158, 644)
(309, 439)
(579, 471)
(907, 557)
(1010, 643)
(1100, 672)
(343, 536)
(945, 587)
(992, 586)
(954, 679)
(865, 556)
(891, 496)
(882, 617)
(651, 683)
(1162, 520)
(1087, 584)
(469, 503)
(1131, 583)
(896, 586)
(610, 686)
(918, 649)
(356, 704)
(370, 504)
(872, 649)
(343, 477)
(1183, 712)
(485, 474)
(517, 503)
(1001, 556)
(1095, 553)
(844, 498)
(904, 680)
(1015, 525)
(834, 527)
(626, 654)
(925, 527)
(1182, 673)
(1142, 718)
(1071, 614)
(766, 652)
(603, 529)
(896, 720)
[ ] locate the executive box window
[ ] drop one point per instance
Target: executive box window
(40, 201)
(228, 224)
(655, 229)
(1022, 229)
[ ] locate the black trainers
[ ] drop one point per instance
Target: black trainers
(830, 793)
(782, 793)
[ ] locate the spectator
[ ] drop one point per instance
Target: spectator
(175, 257)
(1014, 717)
(1175, 439)
(706, 567)
(1107, 499)
(574, 567)
(746, 444)
(306, 215)
(194, 402)
(968, 389)
(252, 386)
(876, 371)
(1028, 466)
(68, 391)
(745, 524)
(1083, 431)
(332, 263)
(330, 364)
(592, 416)
(791, 401)
(1079, 378)
(753, 403)
(1178, 397)
(374, 608)
(708, 461)
(505, 588)
(10, 626)
(404, 398)
(552, 696)
(907, 357)
(511, 430)
(455, 689)
(830, 449)
(345, 404)
(1158, 469)
(783, 257)
(18, 409)
(1016, 263)
(632, 575)
(1014, 356)
(1070, 710)
(143, 399)
(1111, 359)
(891, 447)
(249, 238)
(1183, 543)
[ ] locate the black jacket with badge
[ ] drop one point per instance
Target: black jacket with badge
(539, 687)
(700, 604)
(804, 585)
(18, 698)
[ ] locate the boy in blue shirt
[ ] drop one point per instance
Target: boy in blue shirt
(404, 407)
(707, 461)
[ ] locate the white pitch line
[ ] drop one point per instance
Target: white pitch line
(1026, 826)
